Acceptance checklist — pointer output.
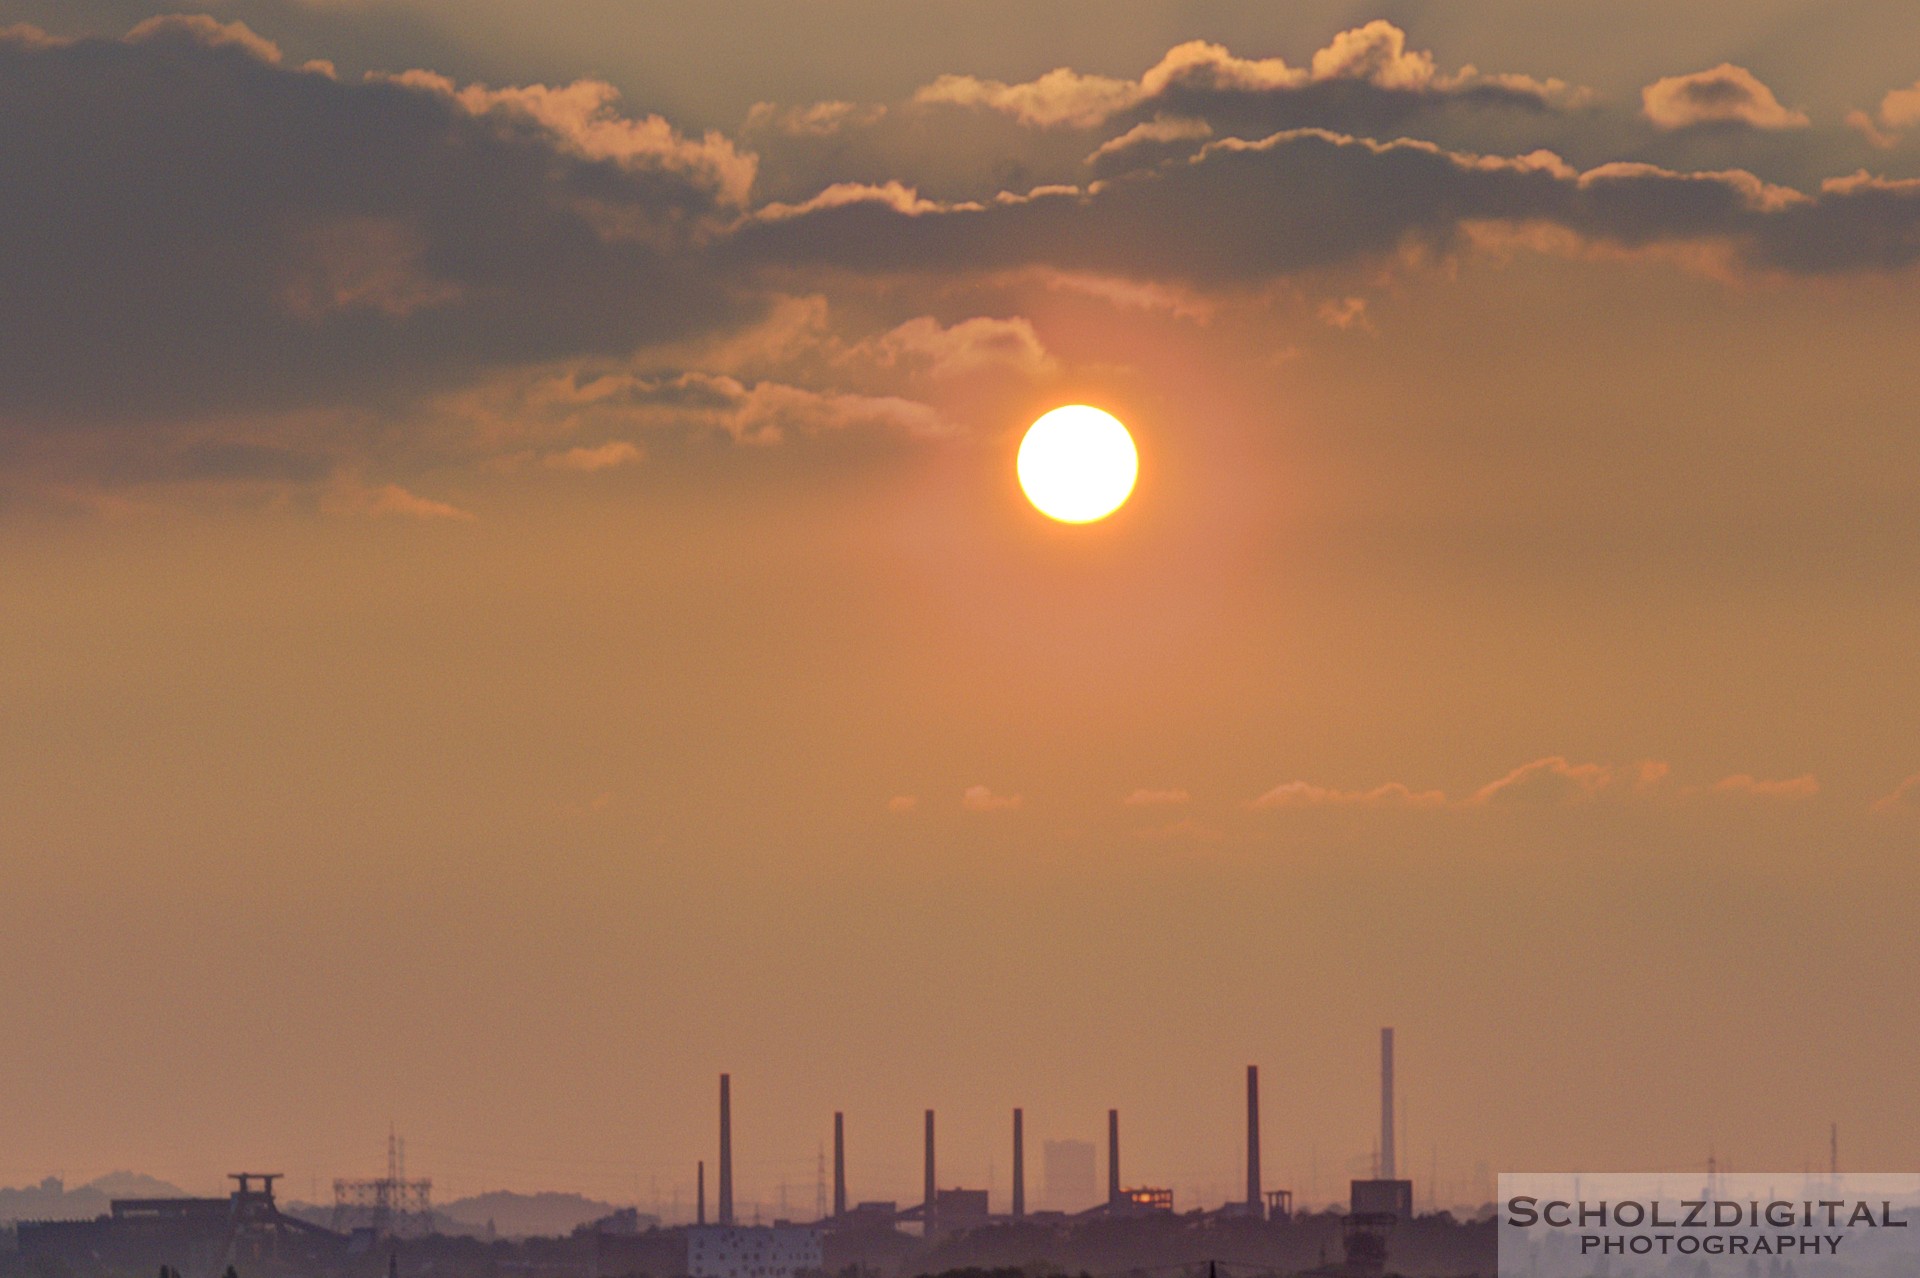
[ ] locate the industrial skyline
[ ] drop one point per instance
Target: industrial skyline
(860, 1232)
(856, 1182)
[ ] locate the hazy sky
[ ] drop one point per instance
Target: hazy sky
(514, 597)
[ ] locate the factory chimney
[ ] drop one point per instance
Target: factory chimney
(1113, 1156)
(726, 1150)
(700, 1193)
(926, 1214)
(1387, 1171)
(1254, 1202)
(839, 1165)
(1019, 1169)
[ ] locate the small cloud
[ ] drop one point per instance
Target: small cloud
(1304, 794)
(1725, 94)
(1378, 54)
(1899, 110)
(1651, 773)
(752, 412)
(982, 342)
(815, 120)
(1061, 96)
(616, 452)
(1549, 781)
(978, 798)
(584, 117)
(1162, 131)
(1863, 124)
(903, 803)
(350, 497)
(1904, 799)
(1155, 798)
(1800, 787)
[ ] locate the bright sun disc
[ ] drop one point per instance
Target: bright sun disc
(1077, 464)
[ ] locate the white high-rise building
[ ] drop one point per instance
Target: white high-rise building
(1067, 1175)
(741, 1251)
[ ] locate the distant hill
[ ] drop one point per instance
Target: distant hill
(52, 1200)
(126, 1184)
(544, 1215)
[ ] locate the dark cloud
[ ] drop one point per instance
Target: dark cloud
(203, 235)
(195, 227)
(1241, 212)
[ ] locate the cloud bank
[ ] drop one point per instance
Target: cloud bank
(259, 271)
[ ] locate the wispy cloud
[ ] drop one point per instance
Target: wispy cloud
(1904, 798)
(617, 452)
(1553, 781)
(1805, 786)
(348, 496)
(1304, 794)
(978, 798)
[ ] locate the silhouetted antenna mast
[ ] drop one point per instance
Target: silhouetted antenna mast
(392, 1206)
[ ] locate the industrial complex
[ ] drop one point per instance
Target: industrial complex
(384, 1225)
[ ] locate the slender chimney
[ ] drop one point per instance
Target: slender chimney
(1253, 1140)
(839, 1165)
(700, 1193)
(726, 1150)
(1386, 1106)
(1113, 1155)
(1019, 1169)
(926, 1216)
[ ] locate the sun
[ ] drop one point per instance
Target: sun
(1077, 464)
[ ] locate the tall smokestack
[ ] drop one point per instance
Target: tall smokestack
(726, 1150)
(927, 1212)
(1254, 1201)
(839, 1165)
(1386, 1106)
(700, 1193)
(1113, 1155)
(1019, 1169)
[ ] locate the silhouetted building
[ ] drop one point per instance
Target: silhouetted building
(1382, 1198)
(1146, 1198)
(958, 1209)
(187, 1234)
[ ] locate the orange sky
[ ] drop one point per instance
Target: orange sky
(492, 636)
